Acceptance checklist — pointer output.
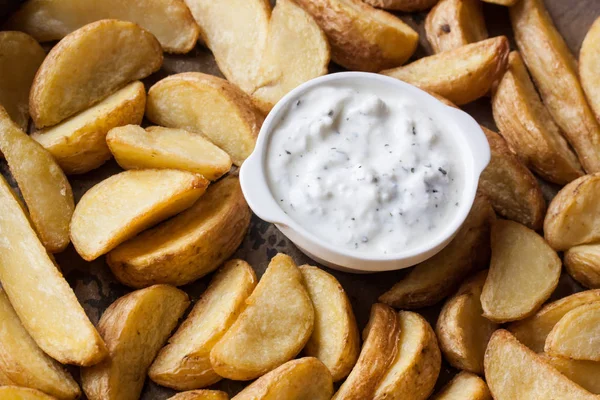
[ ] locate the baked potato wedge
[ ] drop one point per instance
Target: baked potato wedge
(589, 67)
(434, 279)
(165, 148)
(528, 127)
(188, 246)
(507, 3)
(465, 386)
(305, 378)
(5, 380)
(125, 204)
(460, 75)
(209, 105)
(402, 5)
(416, 366)
(201, 395)
(362, 38)
(455, 23)
(134, 327)
(583, 264)
(335, 340)
(90, 64)
(554, 71)
(44, 186)
(20, 58)
(184, 363)
(39, 294)
(21, 393)
(169, 20)
(274, 327)
(576, 335)
(78, 144)
(584, 373)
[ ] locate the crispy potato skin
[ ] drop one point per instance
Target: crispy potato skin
(465, 386)
(21, 393)
(589, 67)
(583, 264)
(201, 395)
(575, 336)
(403, 5)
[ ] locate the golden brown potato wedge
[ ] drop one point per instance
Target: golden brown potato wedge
(5, 380)
(275, 326)
(158, 147)
(379, 349)
(583, 264)
(184, 363)
(512, 371)
(169, 20)
(134, 327)
(554, 71)
(524, 272)
(584, 373)
(44, 186)
(455, 23)
(570, 220)
(335, 340)
(209, 105)
(461, 75)
(506, 3)
(40, 295)
(78, 144)
(416, 366)
(25, 364)
(21, 393)
(528, 127)
(589, 67)
(90, 64)
(305, 378)
(201, 395)
(577, 334)
(463, 332)
(20, 58)
(431, 281)
(465, 386)
(125, 204)
(361, 37)
(188, 246)
(403, 5)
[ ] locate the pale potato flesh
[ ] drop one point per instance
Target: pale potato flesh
(512, 371)
(461, 75)
(335, 340)
(125, 204)
(302, 379)
(25, 364)
(208, 105)
(403, 5)
(184, 363)
(134, 327)
(41, 297)
(21, 393)
(417, 362)
(274, 327)
(589, 67)
(88, 65)
(169, 20)
(577, 334)
(465, 386)
(584, 373)
(78, 144)
(44, 186)
(188, 246)
(201, 395)
(583, 264)
(20, 58)
(158, 147)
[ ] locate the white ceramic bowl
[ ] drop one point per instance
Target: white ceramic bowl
(253, 177)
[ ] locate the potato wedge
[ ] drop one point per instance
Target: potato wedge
(20, 58)
(201, 395)
(135, 327)
(462, 331)
(158, 147)
(274, 327)
(506, 3)
(44, 186)
(512, 371)
(361, 37)
(583, 264)
(576, 335)
(25, 364)
(305, 378)
(40, 295)
(335, 340)
(524, 272)
(460, 75)
(209, 105)
(416, 366)
(589, 67)
(5, 380)
(584, 373)
(528, 127)
(184, 363)
(125, 204)
(554, 71)
(79, 143)
(188, 246)
(21, 393)
(465, 386)
(403, 5)
(380, 341)
(169, 20)
(455, 23)
(88, 65)
(432, 280)
(296, 51)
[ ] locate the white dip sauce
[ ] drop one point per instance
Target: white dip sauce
(364, 168)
